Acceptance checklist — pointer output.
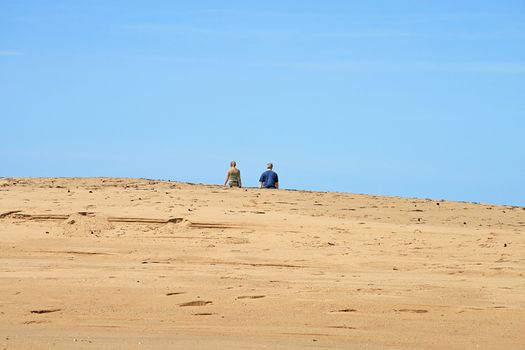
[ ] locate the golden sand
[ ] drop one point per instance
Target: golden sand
(89, 263)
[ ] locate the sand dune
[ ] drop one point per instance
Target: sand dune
(128, 263)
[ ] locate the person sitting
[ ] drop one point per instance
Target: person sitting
(233, 176)
(269, 178)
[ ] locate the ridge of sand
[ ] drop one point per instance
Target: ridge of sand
(109, 263)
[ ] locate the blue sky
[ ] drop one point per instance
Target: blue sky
(408, 98)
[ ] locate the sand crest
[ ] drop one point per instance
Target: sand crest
(82, 224)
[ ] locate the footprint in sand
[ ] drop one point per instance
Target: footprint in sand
(345, 310)
(342, 327)
(196, 303)
(416, 311)
(36, 321)
(44, 311)
(251, 296)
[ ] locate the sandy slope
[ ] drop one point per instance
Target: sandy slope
(249, 268)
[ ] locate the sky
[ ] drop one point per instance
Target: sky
(400, 98)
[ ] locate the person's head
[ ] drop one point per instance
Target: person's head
(269, 166)
(233, 164)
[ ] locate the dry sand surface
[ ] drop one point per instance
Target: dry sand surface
(90, 263)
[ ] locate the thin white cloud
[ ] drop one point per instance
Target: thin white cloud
(379, 34)
(481, 67)
(9, 53)
(287, 34)
(250, 33)
(392, 67)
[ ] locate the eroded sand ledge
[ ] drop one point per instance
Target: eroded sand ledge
(121, 263)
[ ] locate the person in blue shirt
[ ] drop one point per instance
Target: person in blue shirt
(269, 178)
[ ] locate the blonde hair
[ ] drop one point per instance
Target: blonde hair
(269, 166)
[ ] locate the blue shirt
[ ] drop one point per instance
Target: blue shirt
(269, 178)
